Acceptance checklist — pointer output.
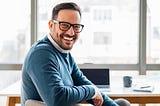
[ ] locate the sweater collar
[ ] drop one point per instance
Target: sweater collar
(56, 45)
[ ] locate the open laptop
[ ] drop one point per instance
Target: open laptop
(99, 76)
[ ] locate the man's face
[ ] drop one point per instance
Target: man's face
(65, 39)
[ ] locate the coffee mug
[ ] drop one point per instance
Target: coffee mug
(127, 81)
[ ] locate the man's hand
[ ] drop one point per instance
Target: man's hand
(98, 100)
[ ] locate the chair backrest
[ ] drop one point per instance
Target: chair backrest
(34, 103)
(39, 103)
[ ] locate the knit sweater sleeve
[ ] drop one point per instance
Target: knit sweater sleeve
(43, 70)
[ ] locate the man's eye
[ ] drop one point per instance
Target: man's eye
(64, 25)
(77, 26)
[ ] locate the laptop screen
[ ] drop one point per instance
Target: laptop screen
(100, 77)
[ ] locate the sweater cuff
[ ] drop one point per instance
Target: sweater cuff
(96, 92)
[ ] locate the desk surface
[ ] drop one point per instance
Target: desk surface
(117, 89)
(12, 90)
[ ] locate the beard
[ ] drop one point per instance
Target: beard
(66, 41)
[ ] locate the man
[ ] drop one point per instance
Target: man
(50, 73)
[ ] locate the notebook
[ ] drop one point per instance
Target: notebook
(99, 76)
(143, 88)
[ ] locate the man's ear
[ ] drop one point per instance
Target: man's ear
(50, 25)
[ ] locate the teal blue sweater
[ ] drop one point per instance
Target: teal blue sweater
(53, 77)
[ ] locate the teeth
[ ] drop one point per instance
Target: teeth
(67, 38)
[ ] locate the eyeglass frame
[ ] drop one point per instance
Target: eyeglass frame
(70, 25)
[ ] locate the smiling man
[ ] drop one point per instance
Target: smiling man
(50, 73)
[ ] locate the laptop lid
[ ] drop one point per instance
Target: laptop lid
(99, 76)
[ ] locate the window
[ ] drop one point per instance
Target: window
(14, 40)
(111, 37)
(105, 39)
(153, 32)
(15, 30)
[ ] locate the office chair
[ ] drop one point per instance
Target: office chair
(34, 103)
(39, 103)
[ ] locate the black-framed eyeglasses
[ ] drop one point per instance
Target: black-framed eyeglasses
(65, 26)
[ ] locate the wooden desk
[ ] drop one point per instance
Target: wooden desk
(117, 91)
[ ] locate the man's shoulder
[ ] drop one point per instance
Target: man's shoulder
(43, 44)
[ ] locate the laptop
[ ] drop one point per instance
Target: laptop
(99, 76)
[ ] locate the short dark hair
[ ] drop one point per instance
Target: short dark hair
(62, 6)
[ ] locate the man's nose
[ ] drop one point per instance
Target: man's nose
(71, 31)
